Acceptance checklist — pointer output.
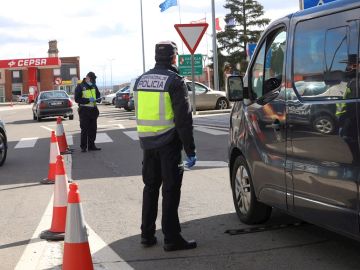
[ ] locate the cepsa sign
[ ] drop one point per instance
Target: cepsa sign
(30, 62)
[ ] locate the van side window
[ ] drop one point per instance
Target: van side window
(267, 71)
(323, 60)
(257, 74)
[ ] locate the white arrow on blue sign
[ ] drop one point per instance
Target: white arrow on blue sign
(314, 3)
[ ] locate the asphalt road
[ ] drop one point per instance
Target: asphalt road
(111, 188)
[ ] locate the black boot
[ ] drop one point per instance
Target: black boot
(179, 244)
(148, 241)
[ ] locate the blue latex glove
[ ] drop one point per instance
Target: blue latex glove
(92, 99)
(190, 161)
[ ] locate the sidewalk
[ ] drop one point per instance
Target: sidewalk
(3, 104)
(14, 106)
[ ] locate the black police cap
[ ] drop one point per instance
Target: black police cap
(165, 50)
(91, 75)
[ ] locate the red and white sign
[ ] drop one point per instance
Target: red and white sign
(30, 62)
(191, 34)
(58, 81)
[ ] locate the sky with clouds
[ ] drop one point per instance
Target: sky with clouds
(106, 34)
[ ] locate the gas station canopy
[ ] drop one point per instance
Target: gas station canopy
(50, 62)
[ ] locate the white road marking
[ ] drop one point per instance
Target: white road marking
(120, 126)
(69, 139)
(115, 121)
(26, 143)
(211, 131)
(103, 138)
(40, 254)
(211, 164)
(132, 134)
(37, 248)
(47, 128)
(201, 163)
(104, 256)
(54, 125)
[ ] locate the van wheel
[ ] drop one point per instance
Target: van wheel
(3, 149)
(222, 104)
(324, 124)
(248, 208)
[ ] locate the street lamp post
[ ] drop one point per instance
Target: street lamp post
(215, 55)
(111, 80)
(142, 36)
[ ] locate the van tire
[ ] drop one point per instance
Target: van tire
(3, 149)
(249, 209)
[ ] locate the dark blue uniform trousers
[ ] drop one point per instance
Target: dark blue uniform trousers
(162, 166)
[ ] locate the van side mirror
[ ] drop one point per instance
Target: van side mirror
(235, 88)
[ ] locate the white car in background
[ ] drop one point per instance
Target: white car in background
(207, 98)
(109, 99)
(24, 98)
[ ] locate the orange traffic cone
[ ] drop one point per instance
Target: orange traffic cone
(57, 230)
(61, 137)
(54, 152)
(76, 247)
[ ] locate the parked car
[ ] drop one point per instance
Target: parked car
(304, 67)
(3, 143)
(131, 104)
(109, 99)
(24, 98)
(207, 98)
(122, 98)
(125, 99)
(52, 103)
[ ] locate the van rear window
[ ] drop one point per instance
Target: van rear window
(321, 54)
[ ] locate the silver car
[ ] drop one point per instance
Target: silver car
(3, 143)
(207, 98)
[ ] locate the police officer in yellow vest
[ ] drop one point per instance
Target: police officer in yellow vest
(164, 125)
(346, 111)
(86, 95)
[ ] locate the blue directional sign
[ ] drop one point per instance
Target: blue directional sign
(314, 3)
(251, 49)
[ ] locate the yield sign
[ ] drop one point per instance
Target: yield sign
(191, 34)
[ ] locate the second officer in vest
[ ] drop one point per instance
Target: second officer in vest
(164, 125)
(86, 95)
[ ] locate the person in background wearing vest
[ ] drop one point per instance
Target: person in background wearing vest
(86, 95)
(346, 111)
(165, 127)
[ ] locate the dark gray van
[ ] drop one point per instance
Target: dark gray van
(294, 127)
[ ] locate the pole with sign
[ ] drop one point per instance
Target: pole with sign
(184, 64)
(191, 35)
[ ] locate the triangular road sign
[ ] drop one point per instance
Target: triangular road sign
(191, 34)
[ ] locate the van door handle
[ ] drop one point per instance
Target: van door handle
(276, 125)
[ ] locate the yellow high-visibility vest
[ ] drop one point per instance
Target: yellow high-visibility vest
(153, 109)
(341, 107)
(89, 93)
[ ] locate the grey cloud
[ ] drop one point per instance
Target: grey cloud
(83, 13)
(7, 39)
(9, 23)
(106, 31)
